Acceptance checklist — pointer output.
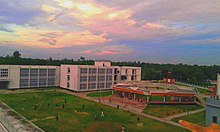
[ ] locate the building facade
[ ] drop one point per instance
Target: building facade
(213, 106)
(26, 76)
(213, 110)
(98, 77)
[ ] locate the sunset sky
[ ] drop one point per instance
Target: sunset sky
(158, 31)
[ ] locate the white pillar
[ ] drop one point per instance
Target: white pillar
(134, 96)
(179, 99)
(218, 85)
(164, 98)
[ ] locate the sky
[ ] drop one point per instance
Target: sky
(156, 31)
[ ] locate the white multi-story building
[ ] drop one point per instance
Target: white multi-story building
(97, 77)
(26, 76)
(73, 77)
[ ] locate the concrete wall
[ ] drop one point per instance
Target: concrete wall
(127, 71)
(102, 63)
(73, 77)
(212, 109)
(14, 74)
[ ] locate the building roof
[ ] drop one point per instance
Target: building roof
(102, 61)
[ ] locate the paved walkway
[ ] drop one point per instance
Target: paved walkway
(135, 111)
(2, 128)
(183, 114)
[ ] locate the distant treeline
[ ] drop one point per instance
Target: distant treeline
(182, 72)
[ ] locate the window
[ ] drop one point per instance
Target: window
(43, 72)
(214, 120)
(132, 71)
(51, 81)
(24, 83)
(83, 86)
(126, 71)
(68, 84)
(132, 77)
(34, 72)
(51, 72)
(109, 71)
(3, 72)
(101, 85)
(42, 82)
(123, 78)
(33, 82)
(92, 70)
(101, 71)
(83, 70)
(101, 78)
(24, 72)
(109, 78)
(68, 77)
(92, 78)
(68, 70)
(83, 78)
(92, 85)
(108, 85)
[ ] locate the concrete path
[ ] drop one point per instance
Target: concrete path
(138, 112)
(183, 114)
(2, 128)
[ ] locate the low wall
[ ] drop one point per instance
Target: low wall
(14, 122)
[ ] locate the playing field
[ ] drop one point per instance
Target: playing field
(50, 104)
(168, 110)
(198, 118)
(100, 94)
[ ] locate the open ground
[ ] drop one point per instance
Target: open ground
(54, 111)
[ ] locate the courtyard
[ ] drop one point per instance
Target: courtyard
(54, 111)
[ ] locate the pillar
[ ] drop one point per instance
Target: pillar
(179, 99)
(134, 96)
(148, 98)
(164, 98)
(112, 92)
(194, 98)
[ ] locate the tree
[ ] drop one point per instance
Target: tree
(16, 54)
(82, 59)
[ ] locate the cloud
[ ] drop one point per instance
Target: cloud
(29, 36)
(153, 26)
(108, 50)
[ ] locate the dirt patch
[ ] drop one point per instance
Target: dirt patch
(83, 113)
(46, 118)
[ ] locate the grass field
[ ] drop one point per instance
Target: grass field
(204, 91)
(51, 103)
(198, 118)
(168, 110)
(98, 94)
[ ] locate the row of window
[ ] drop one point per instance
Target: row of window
(26, 72)
(134, 71)
(93, 78)
(4, 73)
(94, 71)
(93, 85)
(34, 82)
(123, 78)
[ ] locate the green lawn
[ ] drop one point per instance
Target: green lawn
(198, 118)
(168, 110)
(83, 121)
(204, 91)
(98, 94)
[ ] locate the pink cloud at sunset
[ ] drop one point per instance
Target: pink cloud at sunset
(108, 50)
